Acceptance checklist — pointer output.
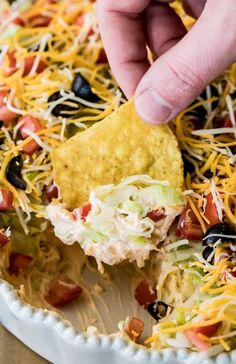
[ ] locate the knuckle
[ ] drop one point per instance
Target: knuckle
(194, 8)
(123, 6)
(184, 79)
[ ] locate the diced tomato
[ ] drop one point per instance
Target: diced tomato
(85, 211)
(80, 20)
(211, 211)
(19, 21)
(6, 200)
(3, 93)
(51, 192)
(19, 262)
(39, 20)
(102, 58)
(156, 215)
(3, 238)
(62, 290)
(188, 226)
(28, 64)
(31, 147)
(33, 124)
(134, 328)
(227, 121)
(145, 294)
(11, 68)
(28, 122)
(196, 341)
(208, 331)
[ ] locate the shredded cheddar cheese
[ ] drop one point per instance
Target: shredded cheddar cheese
(210, 153)
(69, 44)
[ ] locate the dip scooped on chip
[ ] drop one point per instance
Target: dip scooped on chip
(120, 185)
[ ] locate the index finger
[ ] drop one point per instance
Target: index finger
(123, 38)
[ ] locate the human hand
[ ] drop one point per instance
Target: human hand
(187, 61)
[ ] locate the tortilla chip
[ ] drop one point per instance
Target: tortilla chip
(121, 145)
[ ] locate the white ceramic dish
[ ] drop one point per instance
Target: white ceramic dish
(55, 339)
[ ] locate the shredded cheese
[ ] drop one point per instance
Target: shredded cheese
(66, 48)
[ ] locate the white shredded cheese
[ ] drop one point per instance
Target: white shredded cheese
(63, 128)
(209, 119)
(117, 100)
(202, 260)
(199, 174)
(177, 244)
(81, 125)
(37, 139)
(21, 220)
(4, 50)
(13, 15)
(40, 158)
(8, 232)
(225, 151)
(214, 131)
(94, 105)
(194, 194)
(16, 128)
(232, 160)
(221, 236)
(64, 97)
(217, 200)
(231, 110)
(10, 107)
(192, 153)
(208, 96)
(42, 47)
(7, 135)
(48, 181)
(37, 168)
(209, 258)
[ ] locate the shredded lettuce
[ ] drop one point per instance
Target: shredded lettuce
(152, 193)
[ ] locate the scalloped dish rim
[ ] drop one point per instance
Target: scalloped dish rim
(106, 346)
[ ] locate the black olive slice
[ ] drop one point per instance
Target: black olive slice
(213, 234)
(13, 173)
(207, 252)
(63, 109)
(157, 310)
(16, 181)
(82, 89)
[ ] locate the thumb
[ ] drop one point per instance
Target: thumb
(179, 76)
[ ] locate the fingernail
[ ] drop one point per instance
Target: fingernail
(152, 108)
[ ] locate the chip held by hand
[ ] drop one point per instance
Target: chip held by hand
(121, 145)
